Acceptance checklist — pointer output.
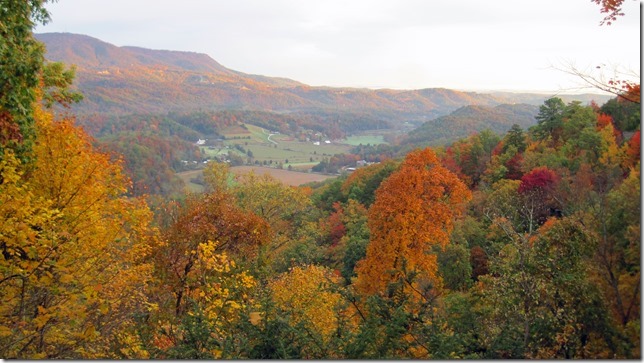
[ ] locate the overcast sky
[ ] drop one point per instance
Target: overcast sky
(401, 44)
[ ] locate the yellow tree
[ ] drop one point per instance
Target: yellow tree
(73, 268)
(413, 211)
(272, 200)
(221, 293)
(210, 217)
(307, 296)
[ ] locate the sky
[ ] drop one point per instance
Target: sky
(472, 45)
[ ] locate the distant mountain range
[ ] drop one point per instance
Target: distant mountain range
(125, 80)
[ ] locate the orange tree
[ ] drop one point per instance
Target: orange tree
(413, 211)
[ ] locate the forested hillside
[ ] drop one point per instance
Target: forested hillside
(524, 244)
(136, 80)
(471, 119)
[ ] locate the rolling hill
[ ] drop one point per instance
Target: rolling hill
(470, 119)
(125, 80)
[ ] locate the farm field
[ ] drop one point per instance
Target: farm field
(255, 143)
(287, 177)
(356, 140)
(190, 186)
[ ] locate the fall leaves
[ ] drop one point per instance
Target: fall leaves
(387, 262)
(414, 209)
(74, 250)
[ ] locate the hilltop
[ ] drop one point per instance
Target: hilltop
(124, 80)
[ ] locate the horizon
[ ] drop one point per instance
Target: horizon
(378, 44)
(592, 91)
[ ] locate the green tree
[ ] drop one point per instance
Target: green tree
(454, 267)
(515, 137)
(21, 64)
(549, 120)
(544, 304)
(24, 76)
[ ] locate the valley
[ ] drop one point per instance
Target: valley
(288, 159)
(169, 112)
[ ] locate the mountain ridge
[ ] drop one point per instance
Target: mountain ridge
(125, 80)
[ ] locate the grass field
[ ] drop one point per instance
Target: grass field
(365, 140)
(285, 176)
(186, 176)
(278, 149)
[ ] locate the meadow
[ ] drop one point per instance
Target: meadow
(265, 152)
(262, 148)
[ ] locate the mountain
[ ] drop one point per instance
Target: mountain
(90, 53)
(126, 80)
(470, 119)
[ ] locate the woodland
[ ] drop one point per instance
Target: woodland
(516, 243)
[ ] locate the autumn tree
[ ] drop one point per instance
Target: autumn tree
(73, 268)
(544, 305)
(413, 211)
(537, 191)
(222, 295)
(210, 217)
(632, 150)
(306, 295)
(279, 204)
(618, 257)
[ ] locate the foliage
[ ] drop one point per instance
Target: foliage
(220, 291)
(414, 209)
(307, 297)
(362, 184)
(280, 205)
(472, 119)
(74, 270)
(21, 61)
(612, 9)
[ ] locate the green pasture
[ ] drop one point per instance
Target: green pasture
(278, 149)
(356, 140)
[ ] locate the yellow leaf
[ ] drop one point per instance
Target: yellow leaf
(104, 308)
(89, 332)
(5, 331)
(255, 318)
